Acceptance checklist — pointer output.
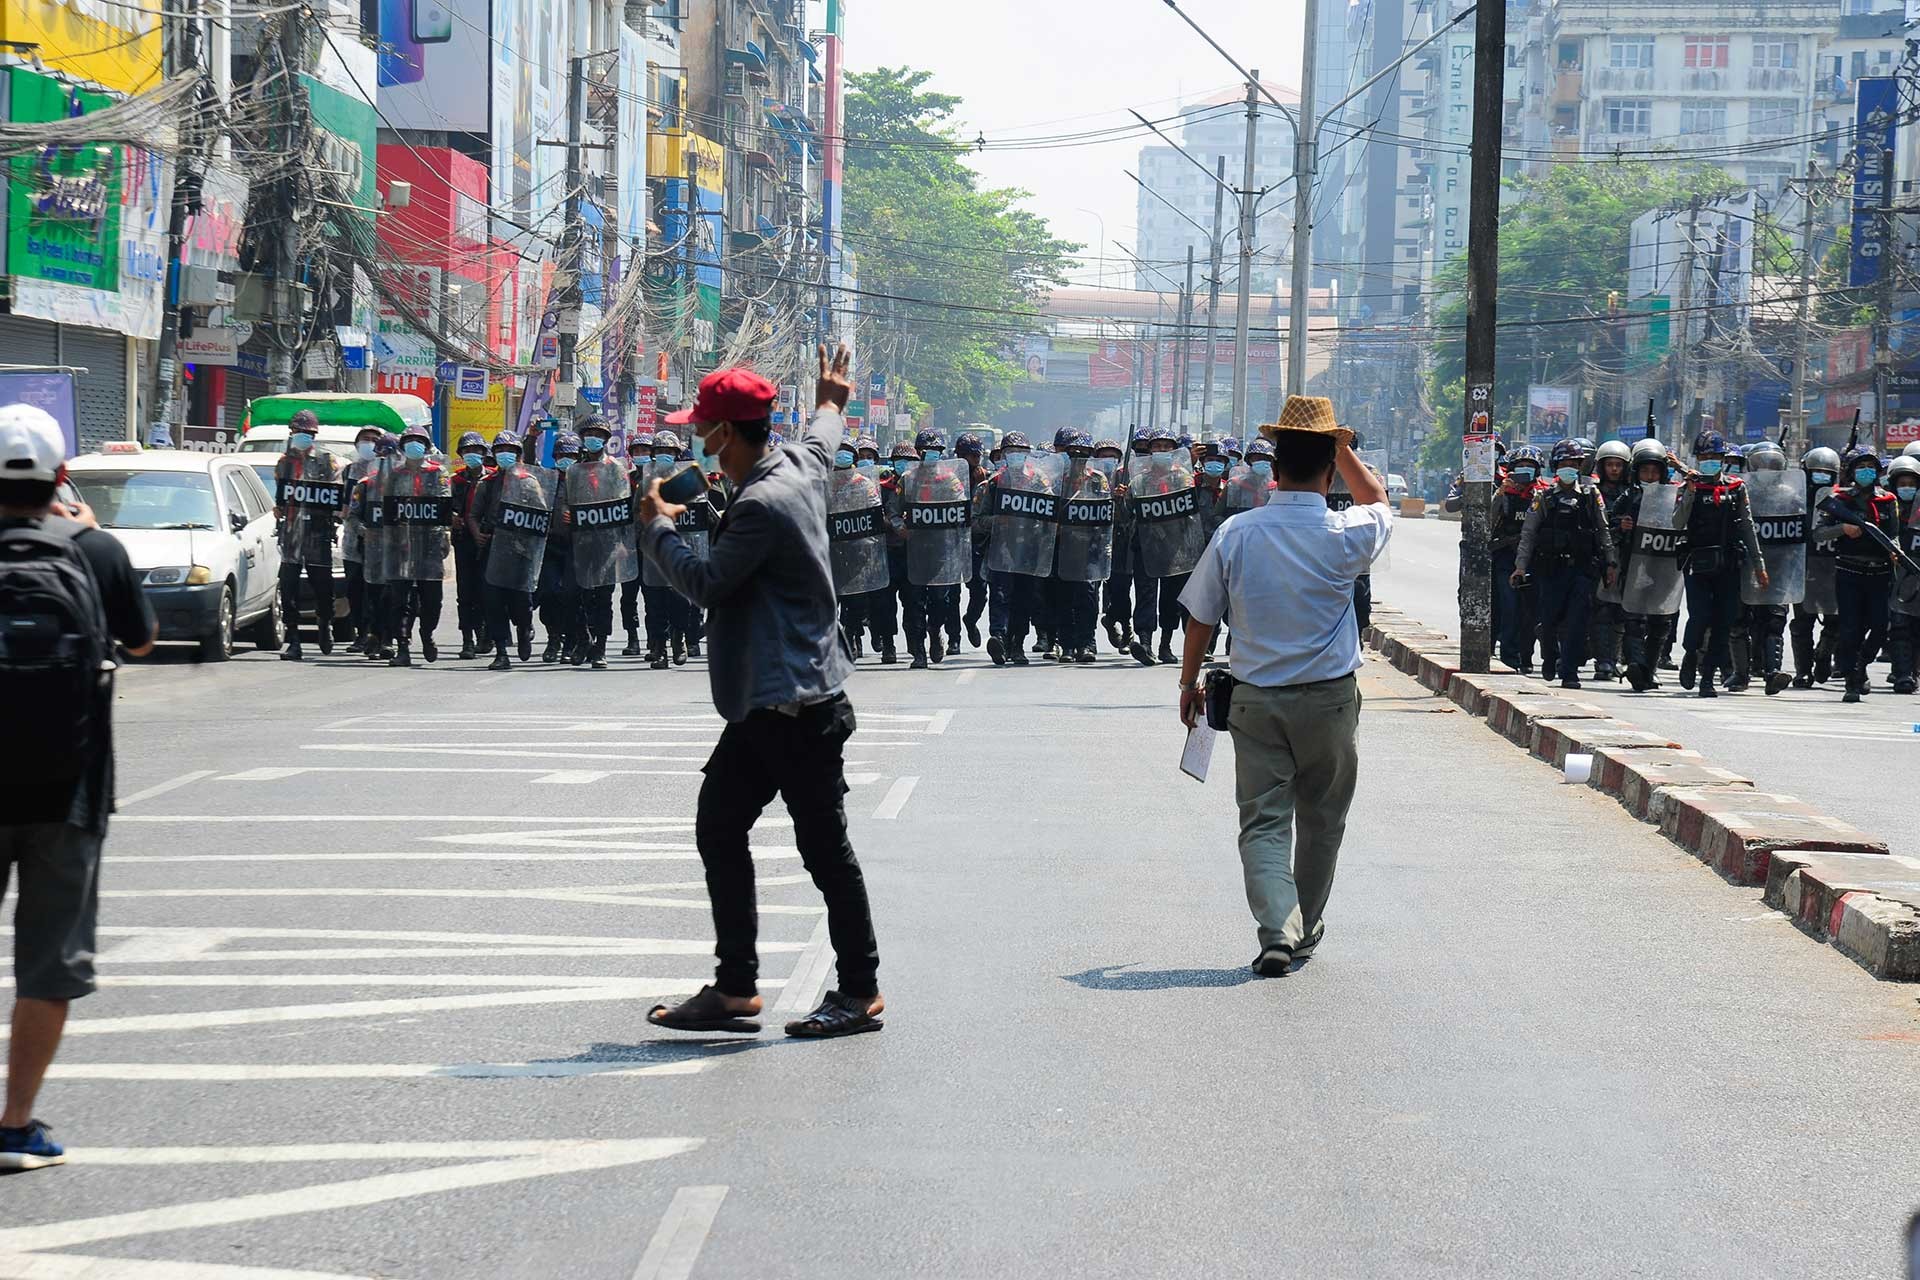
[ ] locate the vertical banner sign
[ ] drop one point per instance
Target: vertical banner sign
(833, 167)
(1879, 100)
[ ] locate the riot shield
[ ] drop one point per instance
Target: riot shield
(1086, 521)
(694, 525)
(1906, 586)
(1246, 489)
(415, 505)
(1654, 581)
(353, 523)
(1822, 595)
(1023, 502)
(598, 497)
(375, 563)
(313, 494)
(856, 535)
(1779, 501)
(521, 522)
(1166, 513)
(934, 503)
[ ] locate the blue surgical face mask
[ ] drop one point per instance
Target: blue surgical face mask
(1523, 475)
(1216, 467)
(1163, 459)
(592, 444)
(1262, 468)
(843, 459)
(933, 455)
(505, 457)
(1821, 477)
(1907, 493)
(364, 450)
(1711, 466)
(1014, 457)
(1865, 476)
(301, 440)
(564, 461)
(414, 449)
(900, 465)
(1567, 475)
(866, 464)
(474, 460)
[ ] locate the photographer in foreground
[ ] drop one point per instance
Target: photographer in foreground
(777, 663)
(1286, 573)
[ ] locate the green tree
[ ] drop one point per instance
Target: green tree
(1563, 248)
(973, 263)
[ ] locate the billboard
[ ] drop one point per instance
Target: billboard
(529, 103)
(1874, 127)
(1549, 414)
(115, 45)
(430, 51)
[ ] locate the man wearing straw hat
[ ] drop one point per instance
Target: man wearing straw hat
(1286, 574)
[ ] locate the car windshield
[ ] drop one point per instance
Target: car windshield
(339, 449)
(148, 499)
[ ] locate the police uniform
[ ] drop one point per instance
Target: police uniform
(1565, 543)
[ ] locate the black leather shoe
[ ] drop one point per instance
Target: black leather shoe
(400, 658)
(887, 654)
(997, 650)
(291, 653)
(428, 649)
(633, 645)
(501, 662)
(466, 645)
(973, 634)
(1141, 654)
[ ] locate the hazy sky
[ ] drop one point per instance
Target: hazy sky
(1033, 67)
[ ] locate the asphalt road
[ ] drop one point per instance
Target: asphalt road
(1846, 760)
(378, 944)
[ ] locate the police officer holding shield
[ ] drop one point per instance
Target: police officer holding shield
(1646, 526)
(1863, 580)
(1168, 541)
(1566, 544)
(856, 541)
(597, 506)
(558, 596)
(1021, 504)
(416, 504)
(936, 504)
(1812, 663)
(1083, 547)
(309, 495)
(364, 607)
(1722, 547)
(512, 517)
(1513, 602)
(639, 455)
(971, 447)
(1779, 499)
(1117, 612)
(669, 615)
(1611, 463)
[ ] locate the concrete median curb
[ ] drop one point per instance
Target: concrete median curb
(1837, 883)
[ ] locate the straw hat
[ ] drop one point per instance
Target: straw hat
(1312, 414)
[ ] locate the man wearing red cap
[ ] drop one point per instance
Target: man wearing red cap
(777, 663)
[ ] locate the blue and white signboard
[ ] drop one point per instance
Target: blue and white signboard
(1875, 116)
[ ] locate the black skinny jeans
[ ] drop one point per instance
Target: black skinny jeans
(320, 579)
(799, 758)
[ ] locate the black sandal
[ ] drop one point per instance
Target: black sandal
(706, 1011)
(838, 1015)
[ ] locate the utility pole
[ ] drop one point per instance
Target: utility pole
(184, 24)
(1213, 285)
(1153, 404)
(285, 302)
(572, 259)
(1244, 320)
(1186, 347)
(1305, 145)
(1483, 285)
(1683, 392)
(1799, 440)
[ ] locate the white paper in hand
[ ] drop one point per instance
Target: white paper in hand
(1198, 755)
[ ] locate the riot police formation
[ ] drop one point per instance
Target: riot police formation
(1721, 548)
(1612, 467)
(309, 495)
(415, 507)
(1566, 549)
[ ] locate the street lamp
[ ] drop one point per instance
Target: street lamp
(1102, 277)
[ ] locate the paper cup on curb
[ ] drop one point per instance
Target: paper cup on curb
(1579, 768)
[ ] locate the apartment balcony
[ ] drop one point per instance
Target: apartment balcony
(1622, 79)
(1566, 85)
(1775, 80)
(1697, 80)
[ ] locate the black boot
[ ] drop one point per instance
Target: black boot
(582, 653)
(292, 653)
(1116, 635)
(1017, 653)
(466, 643)
(359, 642)
(1706, 683)
(501, 662)
(657, 659)
(552, 651)
(936, 651)
(1142, 648)
(997, 649)
(919, 655)
(526, 645)
(1689, 668)
(693, 648)
(633, 644)
(1166, 649)
(400, 658)
(598, 658)
(888, 656)
(679, 651)
(324, 634)
(1742, 674)
(1639, 677)
(428, 649)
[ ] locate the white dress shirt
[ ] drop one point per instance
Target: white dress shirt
(1284, 573)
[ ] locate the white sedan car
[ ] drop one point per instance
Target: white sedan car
(199, 530)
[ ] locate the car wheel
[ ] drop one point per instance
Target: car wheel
(265, 633)
(217, 646)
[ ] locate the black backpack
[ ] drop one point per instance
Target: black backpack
(56, 654)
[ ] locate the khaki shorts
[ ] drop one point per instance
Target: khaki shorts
(53, 922)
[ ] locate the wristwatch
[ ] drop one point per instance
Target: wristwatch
(1189, 684)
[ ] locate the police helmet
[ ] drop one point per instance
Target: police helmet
(507, 439)
(1709, 444)
(903, 450)
(1906, 464)
(1766, 456)
(595, 424)
(1736, 454)
(1061, 436)
(969, 443)
(1142, 439)
(867, 444)
(471, 440)
(1860, 458)
(1613, 449)
(1912, 450)
(1230, 446)
(1165, 435)
(1184, 440)
(1820, 459)
(566, 443)
(1105, 443)
(417, 432)
(666, 441)
(1014, 440)
(1261, 448)
(1524, 456)
(1567, 453)
(372, 433)
(930, 439)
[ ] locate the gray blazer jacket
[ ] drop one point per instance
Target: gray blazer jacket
(773, 631)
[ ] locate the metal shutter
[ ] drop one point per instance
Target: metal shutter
(102, 391)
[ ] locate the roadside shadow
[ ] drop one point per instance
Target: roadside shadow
(1126, 978)
(686, 1046)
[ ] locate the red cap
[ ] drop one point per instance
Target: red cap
(728, 395)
